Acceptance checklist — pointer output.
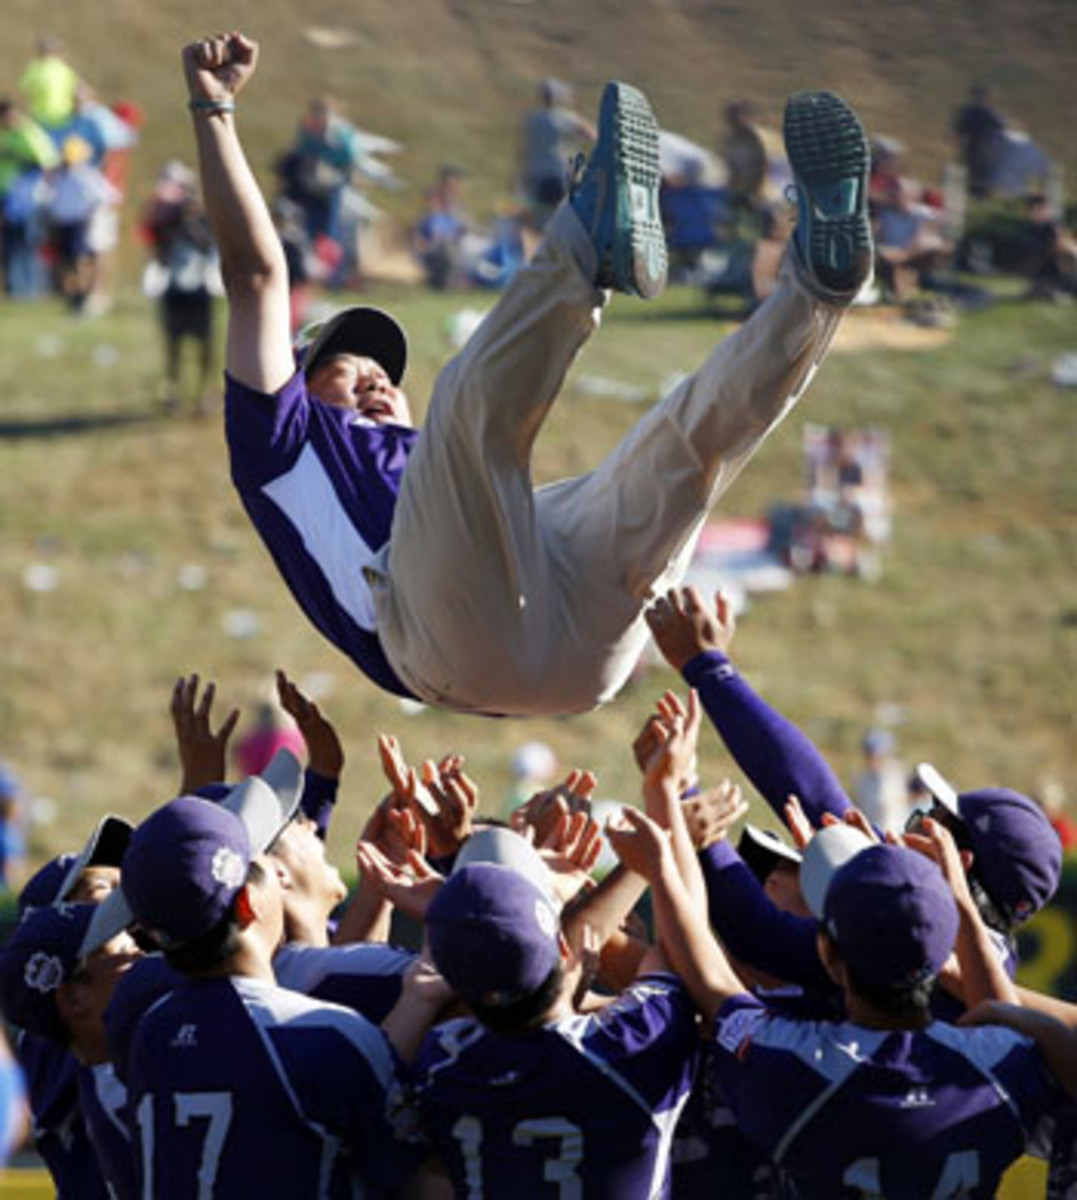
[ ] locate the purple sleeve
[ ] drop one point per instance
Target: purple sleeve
(319, 798)
(774, 754)
(265, 432)
(753, 928)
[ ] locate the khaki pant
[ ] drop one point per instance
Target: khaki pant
(497, 598)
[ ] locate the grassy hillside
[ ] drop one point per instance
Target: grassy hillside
(970, 636)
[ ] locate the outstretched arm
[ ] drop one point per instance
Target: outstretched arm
(255, 274)
(774, 754)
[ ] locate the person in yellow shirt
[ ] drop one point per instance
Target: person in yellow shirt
(49, 84)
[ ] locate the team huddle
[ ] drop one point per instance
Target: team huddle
(828, 1017)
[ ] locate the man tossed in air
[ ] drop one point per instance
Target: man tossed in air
(428, 558)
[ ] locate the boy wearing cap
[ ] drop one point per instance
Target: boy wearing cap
(61, 1093)
(526, 1093)
(235, 1083)
(1012, 856)
(58, 971)
(887, 1102)
(430, 560)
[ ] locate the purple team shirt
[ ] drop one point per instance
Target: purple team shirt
(583, 1106)
(848, 1112)
(320, 484)
(241, 1088)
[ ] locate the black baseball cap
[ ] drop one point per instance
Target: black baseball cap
(364, 330)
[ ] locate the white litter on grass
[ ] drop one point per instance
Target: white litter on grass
(326, 38)
(410, 708)
(41, 577)
(318, 685)
(462, 324)
(191, 577)
(105, 356)
(240, 624)
(1064, 370)
(48, 345)
(611, 389)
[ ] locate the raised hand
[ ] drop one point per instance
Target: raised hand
(640, 843)
(218, 67)
(410, 886)
(544, 809)
(202, 752)
(683, 628)
(324, 752)
(711, 814)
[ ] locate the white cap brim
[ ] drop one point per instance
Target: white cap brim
(111, 916)
(943, 791)
(266, 803)
(110, 827)
(824, 856)
(507, 848)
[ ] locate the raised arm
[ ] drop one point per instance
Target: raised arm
(774, 754)
(253, 267)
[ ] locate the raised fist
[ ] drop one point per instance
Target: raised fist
(218, 67)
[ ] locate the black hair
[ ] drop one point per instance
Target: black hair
(211, 952)
(526, 1014)
(908, 1003)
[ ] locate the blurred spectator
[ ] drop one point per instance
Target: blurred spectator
(26, 150)
(978, 127)
(184, 275)
(12, 843)
(879, 791)
(272, 731)
(288, 219)
(319, 167)
(505, 251)
(1053, 802)
(1047, 252)
(553, 134)
(745, 153)
(439, 239)
(908, 221)
(77, 190)
(692, 211)
(49, 84)
(103, 130)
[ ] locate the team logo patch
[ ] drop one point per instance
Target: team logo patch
(546, 918)
(228, 868)
(44, 972)
(735, 1031)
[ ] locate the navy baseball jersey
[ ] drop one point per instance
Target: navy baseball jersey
(366, 977)
(103, 1101)
(851, 1112)
(241, 1088)
(320, 484)
(583, 1106)
(59, 1129)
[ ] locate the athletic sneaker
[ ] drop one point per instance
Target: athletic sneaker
(828, 152)
(616, 196)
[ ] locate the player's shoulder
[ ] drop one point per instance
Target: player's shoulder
(302, 968)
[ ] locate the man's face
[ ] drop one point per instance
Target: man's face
(312, 877)
(362, 385)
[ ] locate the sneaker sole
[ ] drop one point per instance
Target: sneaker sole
(828, 152)
(637, 260)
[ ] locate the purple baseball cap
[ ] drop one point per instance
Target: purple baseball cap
(888, 909)
(1017, 855)
(188, 861)
(370, 332)
(55, 881)
(44, 951)
(493, 934)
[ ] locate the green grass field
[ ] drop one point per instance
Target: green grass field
(970, 632)
(969, 636)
